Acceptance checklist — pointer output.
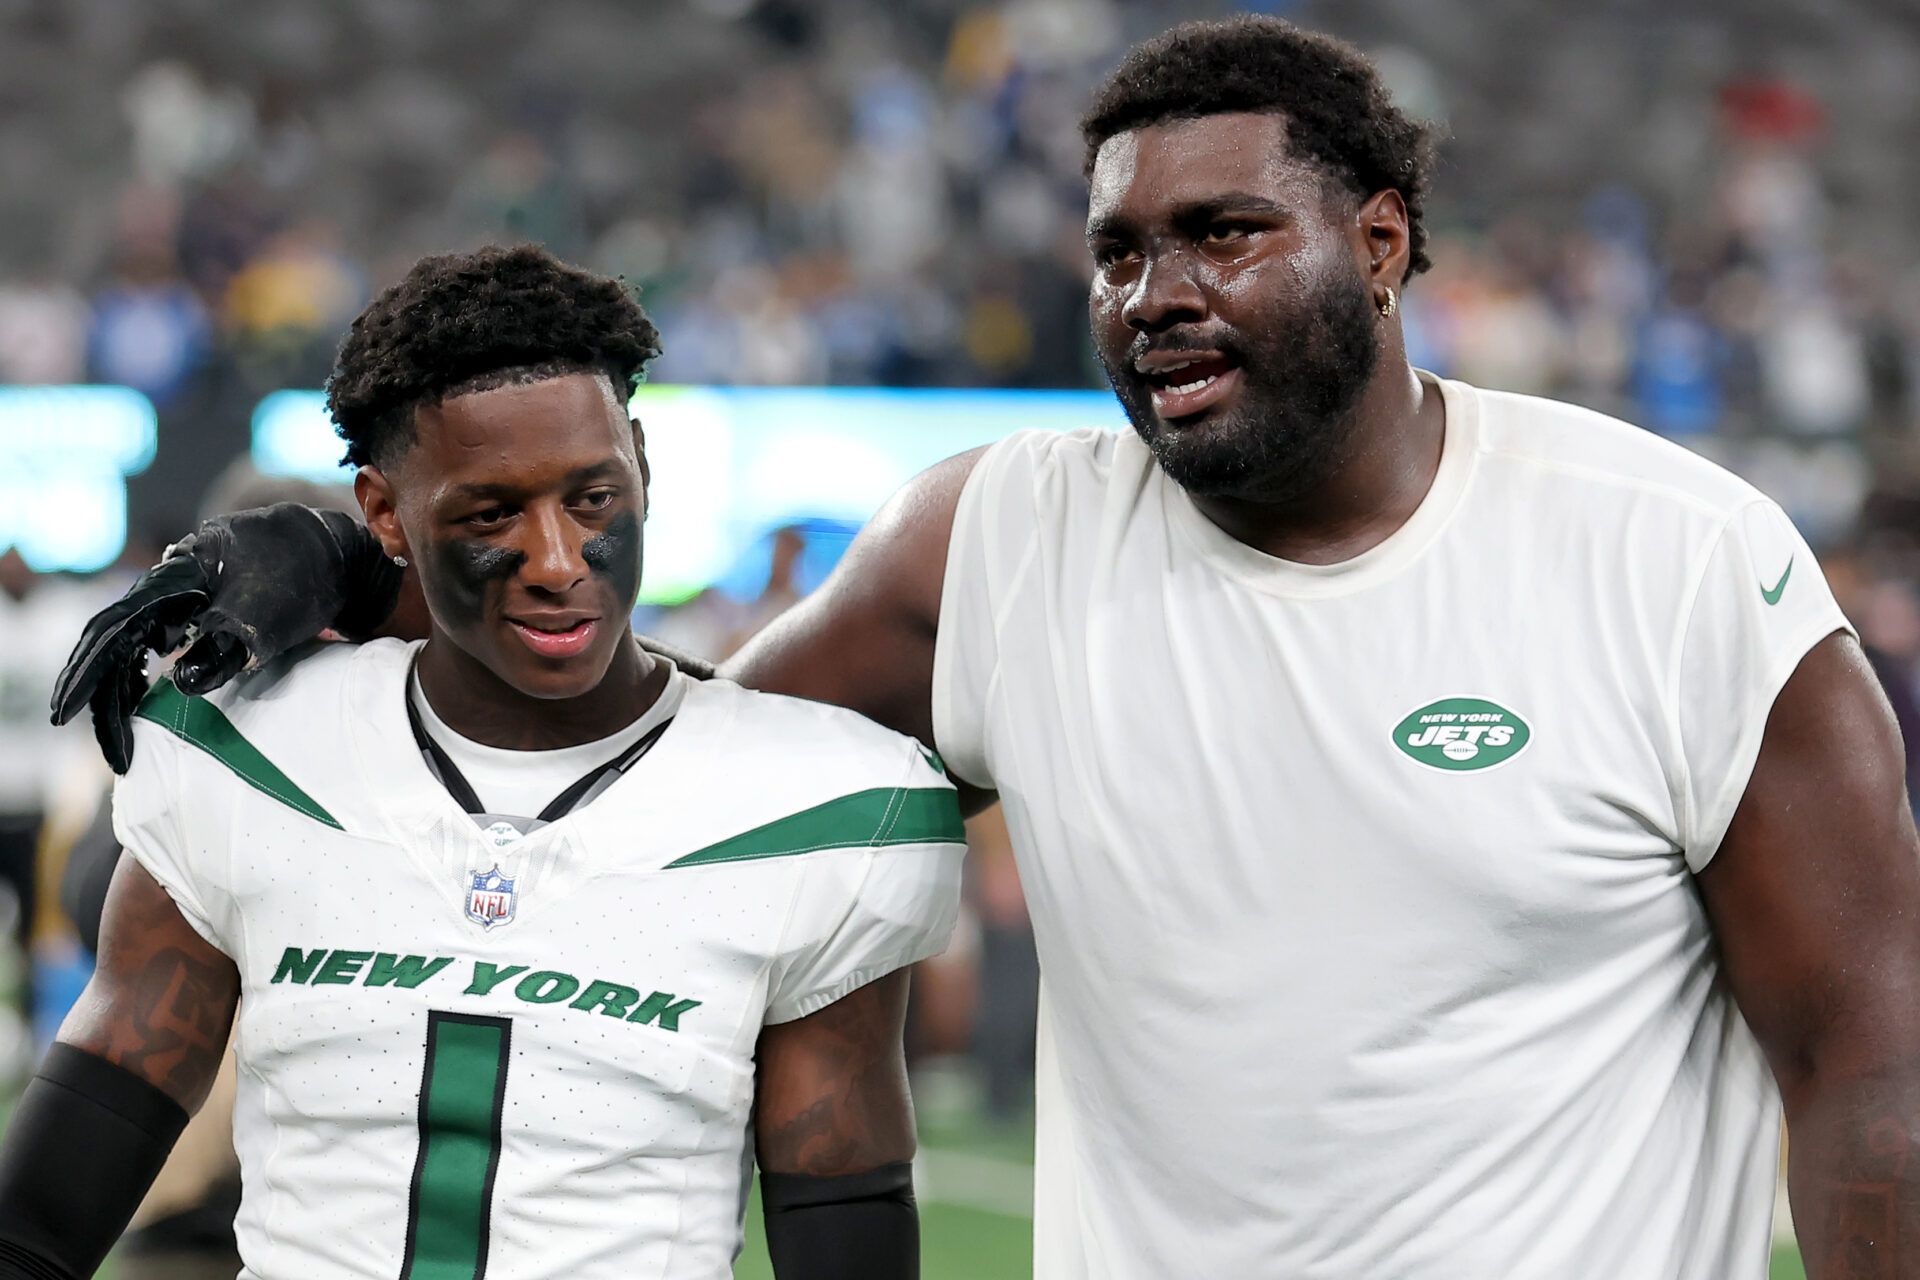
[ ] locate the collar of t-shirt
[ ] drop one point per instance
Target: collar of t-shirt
(521, 783)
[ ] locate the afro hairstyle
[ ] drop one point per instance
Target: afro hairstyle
(464, 322)
(1337, 112)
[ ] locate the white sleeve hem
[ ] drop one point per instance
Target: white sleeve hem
(962, 761)
(815, 1001)
(187, 913)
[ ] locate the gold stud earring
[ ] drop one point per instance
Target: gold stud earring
(1391, 305)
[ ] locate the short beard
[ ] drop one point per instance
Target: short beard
(1294, 421)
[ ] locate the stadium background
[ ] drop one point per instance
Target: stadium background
(1696, 221)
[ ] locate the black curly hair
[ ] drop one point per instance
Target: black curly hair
(463, 322)
(1338, 113)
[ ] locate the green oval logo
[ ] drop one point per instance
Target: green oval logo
(1457, 734)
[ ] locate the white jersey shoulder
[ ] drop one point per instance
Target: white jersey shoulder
(305, 679)
(278, 731)
(802, 752)
(870, 813)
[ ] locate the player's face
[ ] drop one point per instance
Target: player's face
(1228, 306)
(522, 509)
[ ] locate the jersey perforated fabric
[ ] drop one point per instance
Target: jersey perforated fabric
(457, 1043)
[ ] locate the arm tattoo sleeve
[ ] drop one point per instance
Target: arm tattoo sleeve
(162, 1000)
(833, 1088)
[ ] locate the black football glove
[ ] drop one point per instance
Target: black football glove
(245, 588)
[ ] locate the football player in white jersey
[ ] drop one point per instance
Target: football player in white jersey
(1452, 821)
(536, 941)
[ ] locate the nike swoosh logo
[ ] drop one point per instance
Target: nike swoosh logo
(1780, 587)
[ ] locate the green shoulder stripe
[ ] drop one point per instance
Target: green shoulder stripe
(865, 819)
(198, 721)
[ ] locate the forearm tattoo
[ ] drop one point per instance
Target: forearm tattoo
(161, 1002)
(1856, 1184)
(854, 1112)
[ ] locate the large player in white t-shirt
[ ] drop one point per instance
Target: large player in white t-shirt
(1451, 820)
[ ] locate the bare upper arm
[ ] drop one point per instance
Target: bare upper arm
(1815, 891)
(831, 1088)
(865, 639)
(162, 998)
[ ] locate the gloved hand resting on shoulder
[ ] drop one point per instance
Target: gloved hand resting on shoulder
(244, 588)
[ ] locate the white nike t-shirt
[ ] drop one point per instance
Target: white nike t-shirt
(1363, 892)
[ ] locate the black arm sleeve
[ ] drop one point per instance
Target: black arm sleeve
(85, 1143)
(863, 1226)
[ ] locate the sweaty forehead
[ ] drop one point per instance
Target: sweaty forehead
(519, 432)
(1186, 162)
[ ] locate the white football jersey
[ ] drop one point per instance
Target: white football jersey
(465, 1051)
(1363, 892)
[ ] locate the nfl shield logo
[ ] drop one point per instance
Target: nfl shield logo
(490, 900)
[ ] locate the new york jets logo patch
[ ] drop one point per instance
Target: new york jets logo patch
(1458, 734)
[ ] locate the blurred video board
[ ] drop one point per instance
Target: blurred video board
(65, 455)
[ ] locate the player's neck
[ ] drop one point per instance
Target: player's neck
(1393, 452)
(478, 705)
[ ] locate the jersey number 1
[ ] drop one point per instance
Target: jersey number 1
(462, 1092)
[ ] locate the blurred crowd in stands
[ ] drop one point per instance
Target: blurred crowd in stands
(1650, 212)
(1654, 210)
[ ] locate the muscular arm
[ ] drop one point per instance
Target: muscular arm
(833, 1124)
(865, 639)
(136, 1055)
(831, 1088)
(162, 999)
(1815, 900)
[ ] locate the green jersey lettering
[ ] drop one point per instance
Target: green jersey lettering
(661, 1007)
(404, 971)
(298, 965)
(321, 967)
(488, 976)
(547, 987)
(342, 967)
(609, 998)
